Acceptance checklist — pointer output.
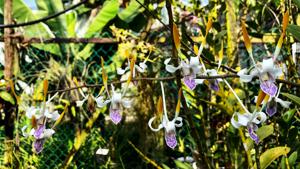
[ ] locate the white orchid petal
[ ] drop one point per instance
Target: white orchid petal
(285, 104)
(243, 119)
(243, 76)
(199, 81)
(127, 103)
(55, 115)
(79, 103)
(23, 131)
(121, 71)
(276, 72)
(160, 126)
(268, 65)
(178, 119)
(171, 68)
(48, 133)
(141, 68)
(32, 132)
(100, 101)
(259, 117)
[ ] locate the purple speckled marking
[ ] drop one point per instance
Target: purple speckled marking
(189, 82)
(252, 134)
(171, 139)
(39, 131)
(269, 88)
(115, 115)
(214, 85)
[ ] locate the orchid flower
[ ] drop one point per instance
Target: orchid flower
(99, 100)
(247, 119)
(272, 103)
(116, 103)
(141, 68)
(190, 69)
(250, 121)
(169, 126)
(39, 117)
(267, 71)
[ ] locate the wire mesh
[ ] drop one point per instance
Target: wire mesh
(33, 61)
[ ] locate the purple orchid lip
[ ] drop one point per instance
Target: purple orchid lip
(115, 115)
(39, 131)
(252, 134)
(189, 81)
(38, 145)
(271, 108)
(214, 85)
(269, 87)
(171, 140)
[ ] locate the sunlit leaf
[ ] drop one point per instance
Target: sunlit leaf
(176, 37)
(104, 75)
(7, 97)
(265, 131)
(208, 26)
(182, 165)
(60, 118)
(270, 155)
(294, 30)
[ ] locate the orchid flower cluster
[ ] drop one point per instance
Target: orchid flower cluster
(267, 71)
(39, 117)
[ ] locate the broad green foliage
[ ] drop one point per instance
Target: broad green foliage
(271, 154)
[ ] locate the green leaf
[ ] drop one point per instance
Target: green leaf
(287, 116)
(131, 11)
(294, 30)
(270, 155)
(265, 131)
(294, 98)
(297, 2)
(262, 132)
(182, 165)
(7, 97)
(107, 13)
(293, 158)
(22, 13)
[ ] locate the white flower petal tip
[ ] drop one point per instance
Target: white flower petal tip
(285, 104)
(102, 151)
(100, 101)
(243, 76)
(127, 103)
(120, 71)
(160, 126)
(23, 131)
(48, 133)
(79, 103)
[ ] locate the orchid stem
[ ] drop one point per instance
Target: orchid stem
(237, 97)
(164, 100)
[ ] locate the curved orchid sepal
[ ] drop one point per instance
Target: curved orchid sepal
(250, 121)
(267, 73)
(170, 68)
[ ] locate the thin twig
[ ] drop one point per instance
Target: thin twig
(43, 19)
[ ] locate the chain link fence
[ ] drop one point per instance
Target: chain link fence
(57, 148)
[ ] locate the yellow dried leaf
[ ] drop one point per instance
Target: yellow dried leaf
(196, 50)
(208, 26)
(246, 38)
(285, 21)
(104, 75)
(159, 106)
(45, 87)
(60, 117)
(178, 102)
(176, 37)
(260, 98)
